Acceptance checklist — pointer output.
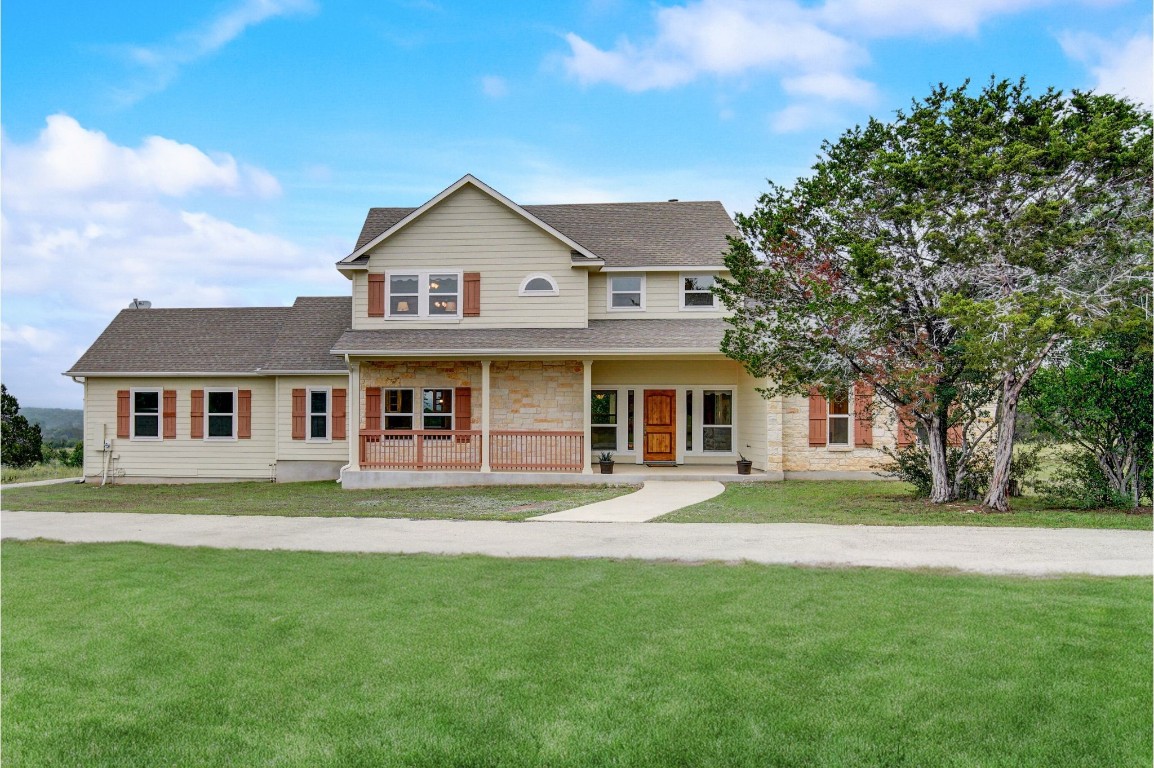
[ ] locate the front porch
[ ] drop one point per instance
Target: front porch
(480, 422)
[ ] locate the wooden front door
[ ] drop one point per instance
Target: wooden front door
(660, 425)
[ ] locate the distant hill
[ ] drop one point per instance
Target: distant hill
(58, 426)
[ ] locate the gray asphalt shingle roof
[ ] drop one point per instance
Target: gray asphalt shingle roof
(701, 335)
(221, 340)
(689, 234)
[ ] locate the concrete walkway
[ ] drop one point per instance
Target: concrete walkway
(1028, 551)
(656, 498)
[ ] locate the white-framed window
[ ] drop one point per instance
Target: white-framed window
(424, 294)
(146, 414)
(605, 419)
(717, 421)
(437, 408)
(397, 407)
(837, 417)
(319, 416)
(626, 293)
(538, 284)
(696, 292)
(220, 414)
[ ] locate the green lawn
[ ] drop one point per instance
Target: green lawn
(321, 499)
(130, 654)
(850, 502)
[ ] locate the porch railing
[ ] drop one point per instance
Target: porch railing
(537, 451)
(420, 449)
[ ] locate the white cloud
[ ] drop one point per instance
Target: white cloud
(1121, 67)
(889, 18)
(494, 87)
(715, 37)
(162, 62)
(832, 86)
(78, 247)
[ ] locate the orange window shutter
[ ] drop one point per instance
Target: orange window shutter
(463, 411)
(169, 414)
(339, 415)
(955, 433)
(298, 414)
(372, 407)
(472, 299)
(244, 414)
(123, 413)
(376, 295)
(197, 415)
(863, 425)
(818, 410)
(906, 433)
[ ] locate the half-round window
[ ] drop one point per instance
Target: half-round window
(538, 285)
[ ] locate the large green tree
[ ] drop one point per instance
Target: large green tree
(944, 251)
(21, 441)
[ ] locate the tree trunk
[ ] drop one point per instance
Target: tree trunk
(998, 496)
(939, 472)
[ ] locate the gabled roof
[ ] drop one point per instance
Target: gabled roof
(232, 340)
(466, 180)
(675, 234)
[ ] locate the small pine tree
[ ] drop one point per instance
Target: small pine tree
(20, 443)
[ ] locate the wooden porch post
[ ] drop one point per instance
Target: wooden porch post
(486, 465)
(353, 425)
(587, 418)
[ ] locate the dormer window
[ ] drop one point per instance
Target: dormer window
(424, 294)
(538, 285)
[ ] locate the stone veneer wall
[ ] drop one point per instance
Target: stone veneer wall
(798, 456)
(536, 395)
(418, 375)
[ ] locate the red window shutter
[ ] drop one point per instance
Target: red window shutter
(197, 417)
(169, 414)
(372, 407)
(376, 295)
(818, 410)
(863, 424)
(463, 411)
(298, 414)
(472, 298)
(339, 416)
(123, 413)
(906, 433)
(244, 414)
(955, 433)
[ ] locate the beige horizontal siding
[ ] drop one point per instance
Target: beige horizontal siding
(471, 232)
(182, 457)
(662, 298)
(752, 421)
(308, 450)
(665, 372)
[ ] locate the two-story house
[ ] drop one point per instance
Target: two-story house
(482, 341)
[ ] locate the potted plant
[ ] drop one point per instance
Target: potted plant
(743, 465)
(605, 459)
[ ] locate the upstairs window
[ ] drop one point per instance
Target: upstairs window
(146, 414)
(697, 293)
(538, 285)
(424, 294)
(626, 293)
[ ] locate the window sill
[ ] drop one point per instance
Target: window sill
(839, 448)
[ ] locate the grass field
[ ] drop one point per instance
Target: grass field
(320, 499)
(37, 472)
(131, 654)
(850, 502)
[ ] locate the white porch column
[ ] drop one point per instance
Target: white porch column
(587, 417)
(486, 466)
(353, 425)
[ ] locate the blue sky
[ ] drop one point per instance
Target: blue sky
(224, 153)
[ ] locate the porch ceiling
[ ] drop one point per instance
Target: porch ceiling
(602, 337)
